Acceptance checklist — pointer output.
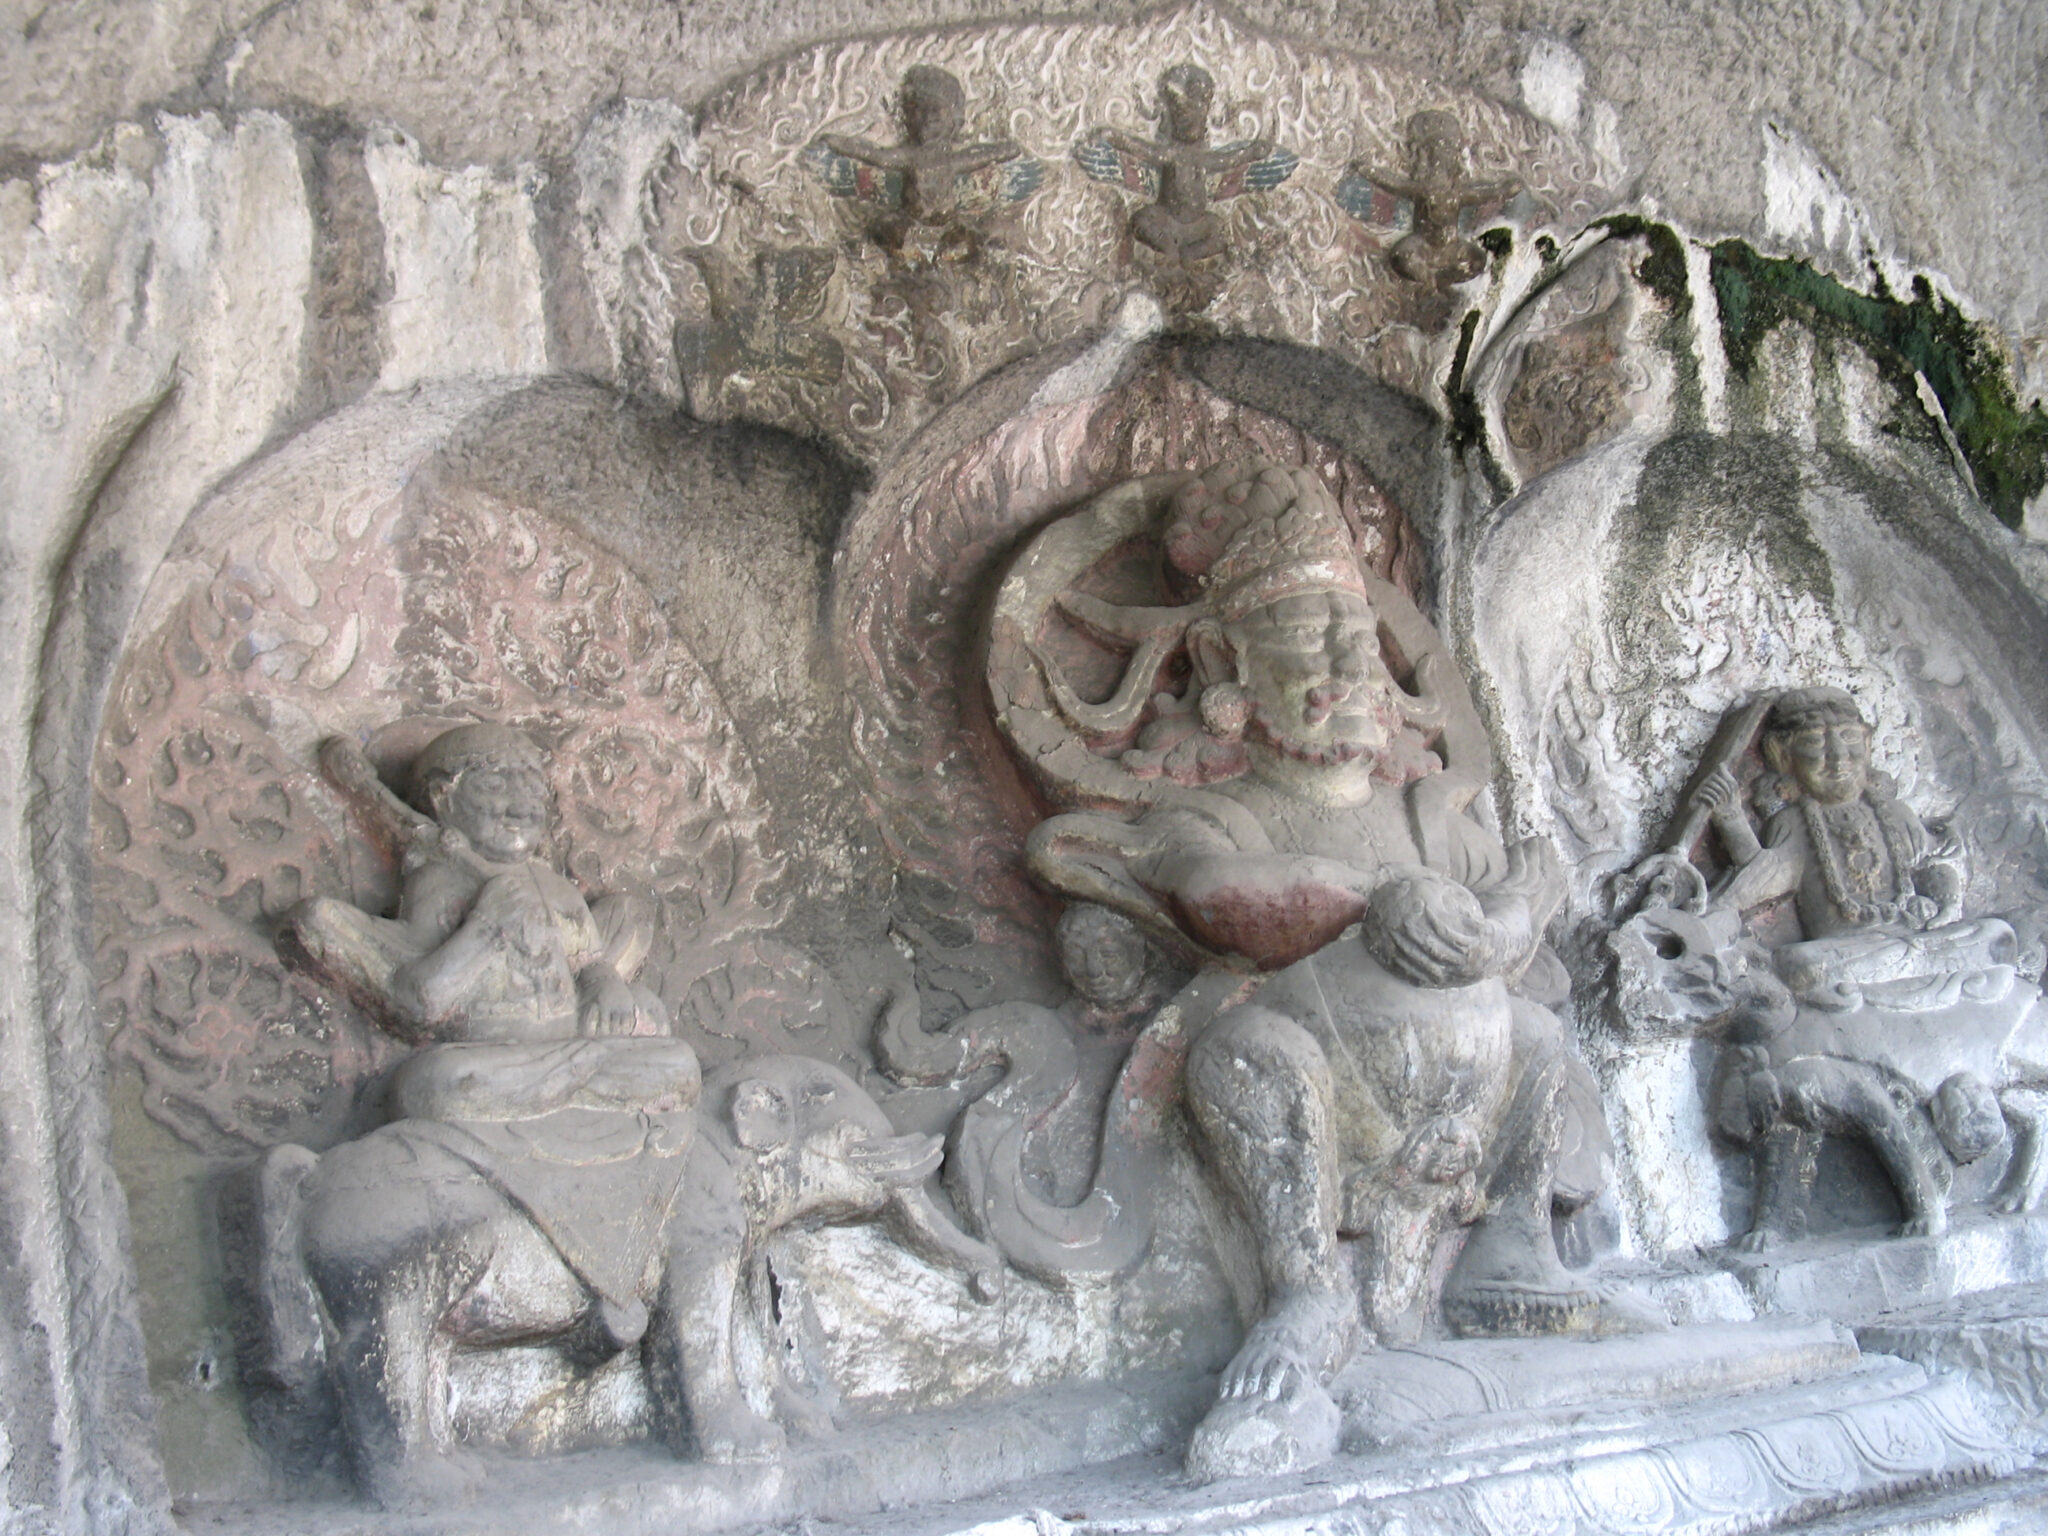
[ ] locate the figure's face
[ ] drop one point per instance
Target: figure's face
(1829, 758)
(502, 808)
(1186, 95)
(933, 107)
(1104, 960)
(1307, 662)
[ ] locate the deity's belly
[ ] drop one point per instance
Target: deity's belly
(1400, 1055)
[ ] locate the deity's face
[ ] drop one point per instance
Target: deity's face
(501, 806)
(1186, 93)
(1306, 663)
(1829, 757)
(1103, 954)
(933, 106)
(1435, 153)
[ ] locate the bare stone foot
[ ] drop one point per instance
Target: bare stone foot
(1508, 1282)
(734, 1433)
(429, 1480)
(1264, 1437)
(1299, 1340)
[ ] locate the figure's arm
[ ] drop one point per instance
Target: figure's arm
(1940, 876)
(1138, 149)
(1772, 871)
(969, 158)
(1400, 186)
(1484, 191)
(890, 157)
(432, 990)
(1722, 798)
(606, 1005)
(1229, 159)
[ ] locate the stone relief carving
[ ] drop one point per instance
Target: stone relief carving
(546, 1174)
(1050, 255)
(1854, 997)
(431, 606)
(1184, 173)
(1346, 1086)
(1438, 197)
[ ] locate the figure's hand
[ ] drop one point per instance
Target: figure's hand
(608, 1007)
(1720, 794)
(1533, 870)
(513, 906)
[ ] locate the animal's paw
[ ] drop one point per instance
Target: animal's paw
(735, 1434)
(1930, 1224)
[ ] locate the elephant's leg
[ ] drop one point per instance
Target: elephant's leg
(1784, 1169)
(1872, 1114)
(397, 1234)
(708, 1250)
(2026, 1112)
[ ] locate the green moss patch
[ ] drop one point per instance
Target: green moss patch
(2005, 444)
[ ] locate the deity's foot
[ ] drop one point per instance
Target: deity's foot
(733, 1433)
(1264, 1437)
(1272, 1413)
(427, 1480)
(1508, 1282)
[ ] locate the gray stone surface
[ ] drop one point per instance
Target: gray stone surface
(271, 274)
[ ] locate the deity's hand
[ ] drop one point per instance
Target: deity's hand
(607, 1003)
(1720, 794)
(513, 906)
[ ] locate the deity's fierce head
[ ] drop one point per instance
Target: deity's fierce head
(1818, 737)
(933, 104)
(489, 783)
(1289, 655)
(1186, 92)
(1436, 148)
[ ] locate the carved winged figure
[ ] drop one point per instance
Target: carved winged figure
(1435, 195)
(1181, 171)
(934, 184)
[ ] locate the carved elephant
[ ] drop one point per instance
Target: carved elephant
(364, 1268)
(1789, 1075)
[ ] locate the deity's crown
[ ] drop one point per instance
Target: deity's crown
(453, 752)
(1250, 531)
(1797, 708)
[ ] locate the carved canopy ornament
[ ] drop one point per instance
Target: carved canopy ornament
(1229, 543)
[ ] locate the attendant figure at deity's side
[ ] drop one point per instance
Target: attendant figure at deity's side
(1879, 894)
(1438, 187)
(1184, 172)
(933, 182)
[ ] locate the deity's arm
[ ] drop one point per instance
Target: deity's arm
(890, 157)
(1939, 872)
(430, 992)
(1774, 870)
(1399, 185)
(1231, 157)
(1139, 149)
(1486, 191)
(969, 158)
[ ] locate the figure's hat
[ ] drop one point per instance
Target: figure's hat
(466, 746)
(1250, 531)
(1799, 707)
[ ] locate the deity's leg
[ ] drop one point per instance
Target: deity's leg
(1259, 1088)
(396, 1234)
(1508, 1279)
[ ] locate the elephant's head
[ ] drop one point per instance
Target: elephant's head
(810, 1147)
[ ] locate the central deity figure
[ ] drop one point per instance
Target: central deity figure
(1378, 1076)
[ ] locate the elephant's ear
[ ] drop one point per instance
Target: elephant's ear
(762, 1118)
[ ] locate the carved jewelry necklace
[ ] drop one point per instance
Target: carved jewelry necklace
(1824, 837)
